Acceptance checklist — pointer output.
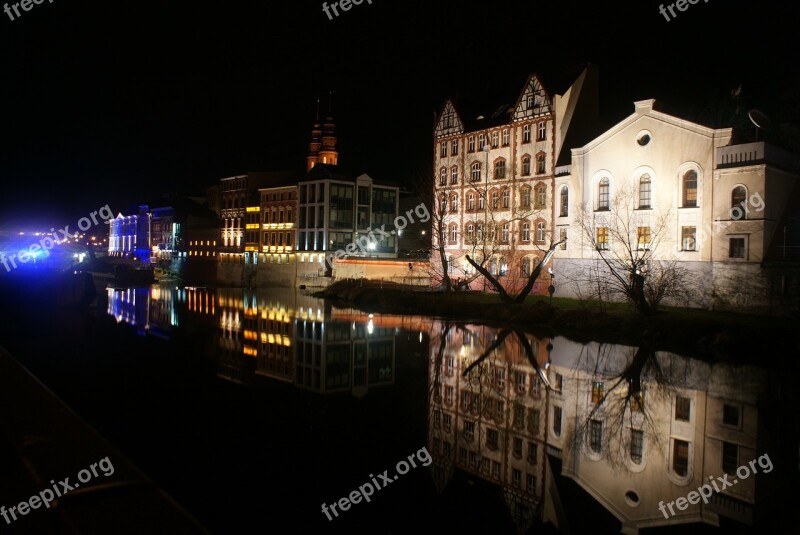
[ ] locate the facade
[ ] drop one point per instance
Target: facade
(129, 236)
(493, 175)
(691, 197)
(278, 229)
(336, 210)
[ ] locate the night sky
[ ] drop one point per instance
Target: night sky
(115, 102)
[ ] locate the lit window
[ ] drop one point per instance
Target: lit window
(643, 237)
(526, 133)
(564, 212)
(602, 239)
(597, 392)
(690, 189)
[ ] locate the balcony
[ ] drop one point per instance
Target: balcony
(755, 154)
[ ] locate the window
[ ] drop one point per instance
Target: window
(503, 266)
(481, 141)
(682, 408)
(557, 421)
(462, 455)
(738, 202)
(506, 198)
(485, 464)
(526, 133)
(541, 133)
(602, 238)
(499, 169)
(471, 144)
(455, 147)
(471, 201)
(519, 420)
(526, 165)
(643, 238)
(454, 203)
(437, 419)
(644, 191)
(532, 452)
(516, 478)
(602, 195)
(730, 415)
(495, 139)
(495, 200)
(470, 232)
(448, 394)
(443, 204)
(688, 239)
(504, 233)
(447, 449)
(562, 237)
(736, 248)
(443, 177)
(500, 409)
(540, 164)
(495, 469)
(492, 439)
(521, 381)
(505, 137)
(500, 377)
(540, 231)
(730, 457)
(541, 196)
(517, 448)
(469, 430)
(481, 202)
(597, 392)
(526, 262)
(680, 457)
(479, 232)
(443, 150)
(564, 212)
(533, 420)
(447, 422)
(525, 197)
(596, 435)
(559, 383)
(690, 189)
(637, 446)
(454, 175)
(453, 233)
(476, 172)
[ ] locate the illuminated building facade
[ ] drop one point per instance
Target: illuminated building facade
(129, 236)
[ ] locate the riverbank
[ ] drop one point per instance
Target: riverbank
(714, 335)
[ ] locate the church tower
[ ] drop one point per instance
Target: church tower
(322, 148)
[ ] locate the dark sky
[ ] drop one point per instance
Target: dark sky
(112, 102)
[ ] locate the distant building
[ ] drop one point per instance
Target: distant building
(129, 235)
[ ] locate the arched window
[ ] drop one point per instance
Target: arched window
(471, 201)
(644, 191)
(738, 200)
(454, 175)
(526, 165)
(454, 203)
(564, 212)
(443, 177)
(476, 172)
(481, 202)
(526, 231)
(495, 139)
(525, 197)
(506, 198)
(499, 168)
(495, 200)
(481, 141)
(470, 233)
(690, 189)
(602, 195)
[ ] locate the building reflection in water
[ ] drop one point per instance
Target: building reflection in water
(631, 427)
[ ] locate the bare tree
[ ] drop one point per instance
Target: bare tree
(626, 240)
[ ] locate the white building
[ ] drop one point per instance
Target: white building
(726, 208)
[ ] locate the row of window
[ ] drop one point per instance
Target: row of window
(502, 199)
(494, 138)
(476, 170)
(278, 215)
(474, 233)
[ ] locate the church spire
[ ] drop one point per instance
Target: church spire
(322, 148)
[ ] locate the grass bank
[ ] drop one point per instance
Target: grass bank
(714, 335)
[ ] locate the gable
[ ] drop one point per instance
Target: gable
(449, 122)
(534, 100)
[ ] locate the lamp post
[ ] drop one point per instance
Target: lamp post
(551, 289)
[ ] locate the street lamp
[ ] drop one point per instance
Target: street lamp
(551, 289)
